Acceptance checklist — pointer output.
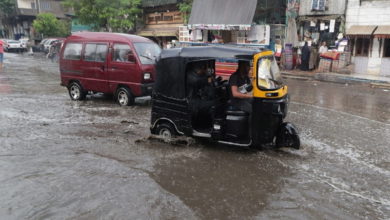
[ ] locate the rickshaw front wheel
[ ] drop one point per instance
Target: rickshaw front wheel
(288, 136)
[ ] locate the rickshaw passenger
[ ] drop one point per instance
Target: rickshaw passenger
(239, 82)
(200, 91)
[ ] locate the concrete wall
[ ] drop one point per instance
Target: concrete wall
(25, 3)
(334, 7)
(375, 60)
(385, 70)
(361, 64)
(55, 8)
(375, 12)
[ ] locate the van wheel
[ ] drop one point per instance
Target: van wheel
(166, 132)
(124, 97)
(76, 92)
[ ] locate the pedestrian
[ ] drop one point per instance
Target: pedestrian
(305, 57)
(323, 48)
(1, 55)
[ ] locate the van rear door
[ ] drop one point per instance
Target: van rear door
(95, 67)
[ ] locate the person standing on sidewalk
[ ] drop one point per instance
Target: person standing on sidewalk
(323, 48)
(1, 55)
(305, 57)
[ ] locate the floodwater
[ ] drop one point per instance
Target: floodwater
(62, 159)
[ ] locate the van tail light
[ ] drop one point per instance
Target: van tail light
(147, 77)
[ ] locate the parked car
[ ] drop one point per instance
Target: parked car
(40, 47)
(12, 45)
(24, 42)
(111, 63)
(47, 44)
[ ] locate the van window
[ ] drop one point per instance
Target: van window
(120, 53)
(95, 52)
(147, 52)
(73, 51)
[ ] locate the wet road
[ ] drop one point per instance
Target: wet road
(61, 159)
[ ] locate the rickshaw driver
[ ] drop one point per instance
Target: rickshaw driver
(239, 82)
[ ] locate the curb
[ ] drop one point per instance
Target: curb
(338, 78)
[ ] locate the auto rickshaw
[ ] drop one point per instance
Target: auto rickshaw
(172, 113)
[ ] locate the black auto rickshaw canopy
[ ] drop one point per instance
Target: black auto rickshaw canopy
(171, 65)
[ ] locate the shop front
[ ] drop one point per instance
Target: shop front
(225, 22)
(382, 33)
(361, 40)
(370, 47)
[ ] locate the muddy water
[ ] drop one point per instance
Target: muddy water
(93, 159)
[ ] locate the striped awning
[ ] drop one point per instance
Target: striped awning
(383, 31)
(361, 30)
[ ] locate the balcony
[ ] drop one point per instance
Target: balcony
(26, 11)
(154, 3)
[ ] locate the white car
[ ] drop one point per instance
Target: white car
(12, 45)
(47, 44)
(24, 43)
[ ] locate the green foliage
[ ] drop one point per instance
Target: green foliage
(114, 15)
(48, 25)
(185, 8)
(7, 7)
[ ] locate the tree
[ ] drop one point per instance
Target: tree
(48, 25)
(114, 15)
(7, 7)
(185, 8)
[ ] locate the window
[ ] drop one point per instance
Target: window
(95, 52)
(101, 52)
(362, 47)
(73, 51)
(45, 5)
(318, 5)
(386, 48)
(121, 52)
(33, 5)
(147, 52)
(90, 52)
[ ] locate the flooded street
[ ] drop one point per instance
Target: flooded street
(63, 159)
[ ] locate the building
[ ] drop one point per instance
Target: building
(321, 20)
(161, 20)
(368, 30)
(19, 25)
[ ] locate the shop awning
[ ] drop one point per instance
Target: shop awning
(383, 31)
(361, 30)
(222, 14)
(159, 32)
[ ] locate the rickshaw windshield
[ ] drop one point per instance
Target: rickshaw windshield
(268, 74)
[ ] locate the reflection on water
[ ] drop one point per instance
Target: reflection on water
(222, 184)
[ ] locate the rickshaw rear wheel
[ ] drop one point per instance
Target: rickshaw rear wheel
(166, 131)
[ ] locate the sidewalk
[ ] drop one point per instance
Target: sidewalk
(379, 81)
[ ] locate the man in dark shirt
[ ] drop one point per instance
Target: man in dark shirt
(239, 82)
(199, 89)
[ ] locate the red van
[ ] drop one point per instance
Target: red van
(111, 63)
